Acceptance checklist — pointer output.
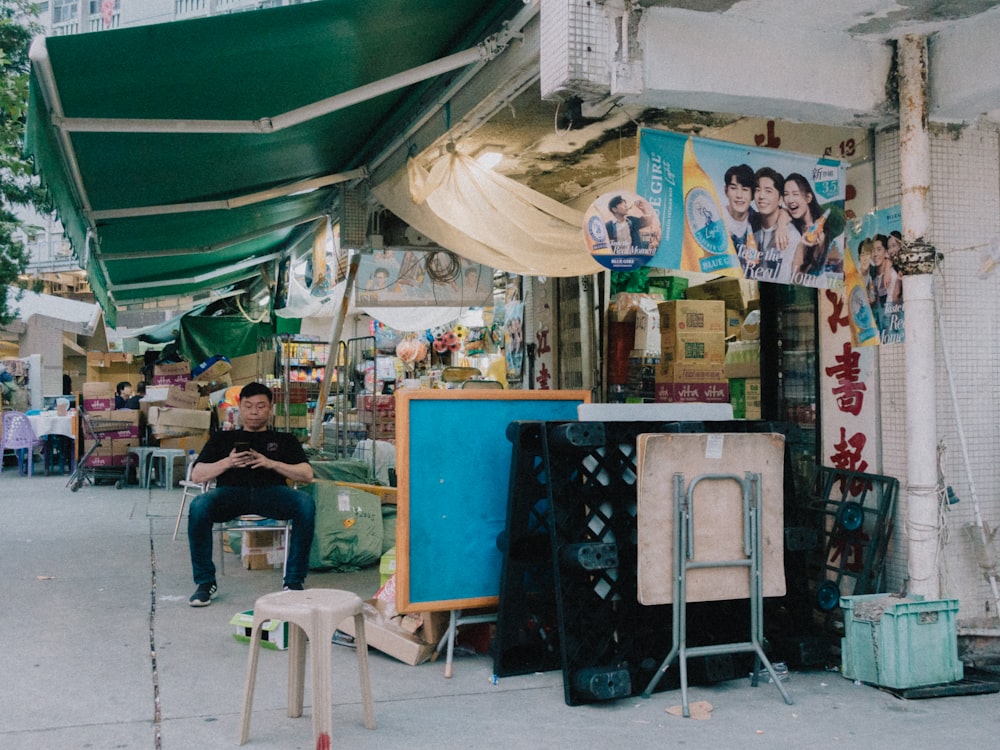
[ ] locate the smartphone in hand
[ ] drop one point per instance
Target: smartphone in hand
(241, 446)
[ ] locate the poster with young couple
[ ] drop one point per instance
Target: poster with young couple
(733, 210)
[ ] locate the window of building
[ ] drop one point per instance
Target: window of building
(64, 10)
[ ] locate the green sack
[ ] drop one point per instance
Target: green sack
(348, 533)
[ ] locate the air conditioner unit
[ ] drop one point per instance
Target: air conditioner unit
(574, 50)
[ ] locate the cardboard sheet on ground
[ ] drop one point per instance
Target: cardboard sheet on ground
(717, 512)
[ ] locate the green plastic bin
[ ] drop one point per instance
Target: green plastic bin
(900, 642)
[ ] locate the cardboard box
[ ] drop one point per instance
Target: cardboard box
(672, 392)
(104, 391)
(98, 404)
(243, 369)
(273, 633)
(382, 634)
(743, 359)
(175, 373)
(688, 382)
(106, 359)
(263, 550)
(691, 372)
(734, 321)
(737, 294)
(189, 419)
(187, 396)
(647, 330)
(692, 316)
(173, 368)
(213, 371)
(692, 347)
(187, 442)
(745, 396)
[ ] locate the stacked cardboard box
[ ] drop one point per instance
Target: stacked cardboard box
(174, 373)
(377, 411)
(692, 351)
(737, 294)
(263, 550)
(213, 372)
(98, 396)
(168, 422)
(116, 432)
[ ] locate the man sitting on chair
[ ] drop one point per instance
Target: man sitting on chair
(251, 467)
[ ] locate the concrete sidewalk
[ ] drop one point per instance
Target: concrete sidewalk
(102, 651)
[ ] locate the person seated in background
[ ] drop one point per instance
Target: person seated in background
(132, 402)
(123, 392)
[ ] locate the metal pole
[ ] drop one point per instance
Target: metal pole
(315, 437)
(917, 261)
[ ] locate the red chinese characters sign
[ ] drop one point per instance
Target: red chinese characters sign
(848, 393)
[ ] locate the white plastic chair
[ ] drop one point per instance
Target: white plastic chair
(190, 489)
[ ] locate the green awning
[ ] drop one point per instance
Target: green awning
(184, 156)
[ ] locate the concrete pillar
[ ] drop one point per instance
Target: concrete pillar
(917, 260)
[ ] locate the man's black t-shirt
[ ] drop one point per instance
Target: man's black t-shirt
(280, 446)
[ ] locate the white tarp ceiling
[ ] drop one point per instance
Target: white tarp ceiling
(488, 218)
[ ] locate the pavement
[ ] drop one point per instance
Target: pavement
(101, 650)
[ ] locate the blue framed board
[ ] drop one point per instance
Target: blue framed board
(452, 474)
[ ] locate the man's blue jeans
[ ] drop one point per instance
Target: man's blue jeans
(227, 503)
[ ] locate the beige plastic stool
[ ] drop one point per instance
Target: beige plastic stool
(313, 614)
(169, 456)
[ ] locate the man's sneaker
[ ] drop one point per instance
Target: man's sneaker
(203, 596)
(292, 587)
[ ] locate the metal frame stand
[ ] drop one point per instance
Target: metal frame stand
(448, 639)
(684, 561)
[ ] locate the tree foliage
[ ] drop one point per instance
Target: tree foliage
(18, 188)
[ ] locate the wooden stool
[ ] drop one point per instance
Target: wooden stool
(313, 614)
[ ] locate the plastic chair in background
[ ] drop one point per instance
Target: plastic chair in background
(162, 462)
(190, 489)
(144, 459)
(19, 437)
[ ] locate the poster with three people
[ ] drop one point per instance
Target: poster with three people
(734, 210)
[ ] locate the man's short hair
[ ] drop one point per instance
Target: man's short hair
(256, 389)
(743, 174)
(773, 175)
(615, 201)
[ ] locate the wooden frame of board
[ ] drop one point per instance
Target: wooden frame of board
(452, 473)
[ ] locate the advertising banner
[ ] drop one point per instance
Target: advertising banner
(733, 210)
(875, 240)
(417, 276)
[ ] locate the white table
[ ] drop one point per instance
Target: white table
(50, 423)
